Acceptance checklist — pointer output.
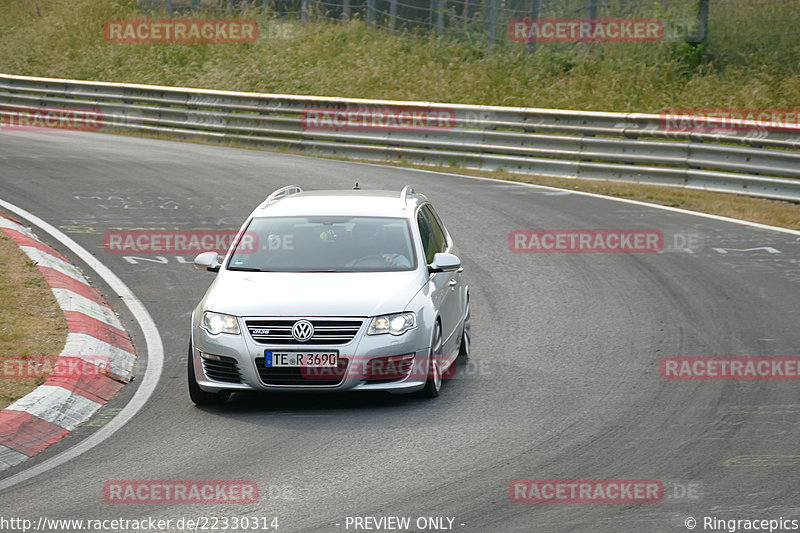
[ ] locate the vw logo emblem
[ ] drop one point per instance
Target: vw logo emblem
(302, 330)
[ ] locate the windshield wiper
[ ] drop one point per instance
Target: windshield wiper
(247, 269)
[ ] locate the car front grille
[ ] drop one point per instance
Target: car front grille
(299, 376)
(326, 332)
(222, 369)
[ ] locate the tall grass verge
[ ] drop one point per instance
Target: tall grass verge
(355, 60)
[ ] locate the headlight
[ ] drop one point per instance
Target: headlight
(396, 324)
(216, 323)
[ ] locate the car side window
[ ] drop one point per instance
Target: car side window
(427, 236)
(437, 229)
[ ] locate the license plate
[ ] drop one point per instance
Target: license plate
(301, 359)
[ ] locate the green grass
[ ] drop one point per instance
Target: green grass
(354, 60)
(31, 322)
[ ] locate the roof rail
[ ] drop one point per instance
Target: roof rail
(282, 193)
(404, 194)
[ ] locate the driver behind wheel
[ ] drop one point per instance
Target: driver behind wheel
(369, 242)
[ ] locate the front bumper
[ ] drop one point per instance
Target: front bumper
(236, 362)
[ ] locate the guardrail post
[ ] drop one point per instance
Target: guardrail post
(591, 14)
(440, 6)
(304, 7)
(392, 15)
(536, 7)
(370, 11)
(591, 9)
(346, 10)
(493, 7)
(702, 22)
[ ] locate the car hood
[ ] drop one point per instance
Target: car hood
(312, 293)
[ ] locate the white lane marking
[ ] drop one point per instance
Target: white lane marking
(765, 248)
(595, 195)
(71, 301)
(132, 259)
(154, 350)
(57, 405)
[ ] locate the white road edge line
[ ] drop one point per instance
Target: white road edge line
(595, 195)
(155, 353)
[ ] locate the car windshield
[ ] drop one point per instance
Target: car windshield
(325, 244)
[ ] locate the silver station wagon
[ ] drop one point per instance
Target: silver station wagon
(331, 291)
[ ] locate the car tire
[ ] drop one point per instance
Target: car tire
(198, 395)
(466, 337)
(433, 385)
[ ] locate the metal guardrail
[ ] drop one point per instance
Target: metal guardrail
(629, 147)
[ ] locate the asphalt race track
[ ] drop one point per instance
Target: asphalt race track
(564, 380)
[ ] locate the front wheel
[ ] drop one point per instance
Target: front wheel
(434, 383)
(198, 395)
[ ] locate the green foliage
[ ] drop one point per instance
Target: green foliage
(688, 57)
(355, 60)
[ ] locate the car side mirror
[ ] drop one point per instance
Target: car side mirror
(444, 263)
(207, 261)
